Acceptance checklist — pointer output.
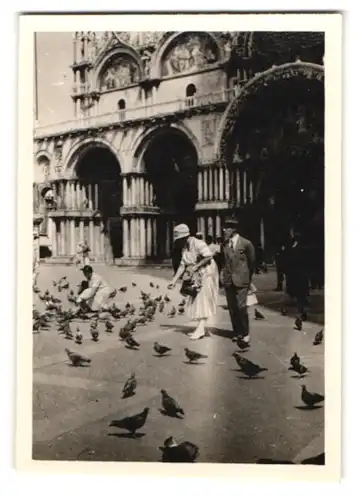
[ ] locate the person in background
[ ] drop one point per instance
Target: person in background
(236, 276)
(298, 273)
(260, 259)
(197, 263)
(82, 256)
(280, 258)
(35, 259)
(98, 293)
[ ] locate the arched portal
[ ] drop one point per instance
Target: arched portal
(99, 173)
(272, 142)
(170, 161)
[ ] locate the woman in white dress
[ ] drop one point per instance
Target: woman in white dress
(197, 262)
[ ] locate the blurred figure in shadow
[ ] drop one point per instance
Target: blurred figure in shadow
(280, 263)
(298, 267)
(260, 259)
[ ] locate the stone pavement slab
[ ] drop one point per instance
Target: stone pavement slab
(230, 418)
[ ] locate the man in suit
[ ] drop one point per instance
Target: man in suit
(236, 275)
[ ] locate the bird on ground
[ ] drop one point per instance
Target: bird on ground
(318, 338)
(131, 342)
(294, 359)
(259, 315)
(128, 306)
(159, 298)
(112, 294)
(134, 284)
(109, 326)
(123, 289)
(95, 335)
(182, 452)
(36, 289)
(68, 333)
(161, 349)
(181, 310)
(283, 311)
(54, 284)
(157, 287)
(310, 399)
(249, 368)
(166, 298)
(193, 355)
(94, 323)
(298, 368)
(124, 333)
(141, 321)
(298, 324)
(182, 303)
(36, 326)
(151, 285)
(170, 405)
(132, 424)
(161, 307)
(129, 387)
(71, 297)
(172, 312)
(78, 337)
(77, 359)
(45, 296)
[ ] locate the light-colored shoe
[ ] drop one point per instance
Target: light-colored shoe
(246, 339)
(197, 335)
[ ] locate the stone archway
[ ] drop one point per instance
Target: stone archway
(99, 174)
(272, 134)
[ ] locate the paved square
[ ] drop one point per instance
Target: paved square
(230, 418)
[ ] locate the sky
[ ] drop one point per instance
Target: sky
(54, 77)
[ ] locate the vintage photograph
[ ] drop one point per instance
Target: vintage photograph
(178, 271)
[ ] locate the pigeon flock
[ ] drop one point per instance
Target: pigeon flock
(132, 317)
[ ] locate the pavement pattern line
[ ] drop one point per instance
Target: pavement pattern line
(94, 411)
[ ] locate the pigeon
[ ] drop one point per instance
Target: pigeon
(174, 452)
(161, 349)
(193, 356)
(79, 337)
(36, 326)
(294, 359)
(157, 287)
(249, 368)
(166, 298)
(310, 399)
(181, 310)
(172, 312)
(161, 307)
(77, 359)
(131, 342)
(151, 285)
(259, 315)
(123, 289)
(71, 297)
(298, 368)
(283, 311)
(133, 423)
(129, 387)
(128, 306)
(134, 284)
(182, 303)
(170, 405)
(318, 338)
(298, 324)
(124, 333)
(95, 335)
(109, 326)
(112, 294)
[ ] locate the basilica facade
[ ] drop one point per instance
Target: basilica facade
(173, 127)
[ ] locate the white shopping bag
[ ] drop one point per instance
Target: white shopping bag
(251, 299)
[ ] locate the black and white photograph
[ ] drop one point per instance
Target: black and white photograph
(178, 246)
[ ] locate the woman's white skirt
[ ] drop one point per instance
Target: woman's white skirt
(205, 303)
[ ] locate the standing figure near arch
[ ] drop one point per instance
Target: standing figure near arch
(197, 264)
(82, 256)
(239, 265)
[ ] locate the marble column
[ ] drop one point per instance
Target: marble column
(149, 237)
(125, 237)
(90, 196)
(155, 234)
(96, 197)
(73, 238)
(200, 186)
(143, 237)
(73, 194)
(218, 226)
(205, 197)
(262, 232)
(133, 191)
(244, 185)
(142, 190)
(210, 226)
(78, 196)
(221, 184)
(227, 184)
(125, 190)
(62, 237)
(82, 231)
(167, 238)
(133, 242)
(238, 197)
(101, 241)
(54, 237)
(91, 233)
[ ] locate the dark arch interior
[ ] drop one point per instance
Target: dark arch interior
(98, 165)
(171, 165)
(279, 137)
(121, 104)
(190, 90)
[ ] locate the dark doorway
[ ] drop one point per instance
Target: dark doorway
(99, 166)
(171, 164)
(280, 133)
